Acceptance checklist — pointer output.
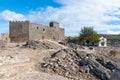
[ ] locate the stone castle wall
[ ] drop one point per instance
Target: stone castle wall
(19, 31)
(24, 31)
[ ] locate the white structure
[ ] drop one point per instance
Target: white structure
(102, 42)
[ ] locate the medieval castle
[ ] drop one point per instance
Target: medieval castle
(21, 31)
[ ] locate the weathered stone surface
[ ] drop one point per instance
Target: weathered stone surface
(70, 45)
(65, 62)
(21, 31)
(40, 45)
(108, 64)
(77, 65)
(115, 75)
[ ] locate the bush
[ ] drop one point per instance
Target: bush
(113, 52)
(88, 36)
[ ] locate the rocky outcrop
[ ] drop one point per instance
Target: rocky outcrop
(70, 44)
(78, 65)
(41, 45)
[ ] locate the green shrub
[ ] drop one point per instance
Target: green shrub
(89, 36)
(113, 52)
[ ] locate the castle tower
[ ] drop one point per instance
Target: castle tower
(19, 31)
(54, 24)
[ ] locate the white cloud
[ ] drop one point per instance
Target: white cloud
(74, 14)
(11, 16)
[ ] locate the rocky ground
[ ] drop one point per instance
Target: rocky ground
(49, 60)
(79, 65)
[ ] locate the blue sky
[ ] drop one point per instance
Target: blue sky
(72, 15)
(24, 6)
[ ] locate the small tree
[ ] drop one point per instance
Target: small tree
(88, 35)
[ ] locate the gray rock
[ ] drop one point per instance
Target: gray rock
(115, 75)
(111, 66)
(40, 45)
(98, 72)
(76, 65)
(108, 64)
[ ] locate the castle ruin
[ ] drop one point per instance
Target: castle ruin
(21, 31)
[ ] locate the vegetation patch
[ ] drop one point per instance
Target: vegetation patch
(113, 52)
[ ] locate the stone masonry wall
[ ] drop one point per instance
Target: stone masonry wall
(24, 31)
(19, 31)
(38, 32)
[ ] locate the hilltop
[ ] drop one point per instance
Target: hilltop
(47, 59)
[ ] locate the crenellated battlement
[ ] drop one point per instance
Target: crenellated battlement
(19, 22)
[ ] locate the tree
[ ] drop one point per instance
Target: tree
(88, 36)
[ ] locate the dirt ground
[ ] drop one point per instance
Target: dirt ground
(18, 63)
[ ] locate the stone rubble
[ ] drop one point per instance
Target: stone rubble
(78, 65)
(41, 45)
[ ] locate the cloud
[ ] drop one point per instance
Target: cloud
(104, 16)
(11, 16)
